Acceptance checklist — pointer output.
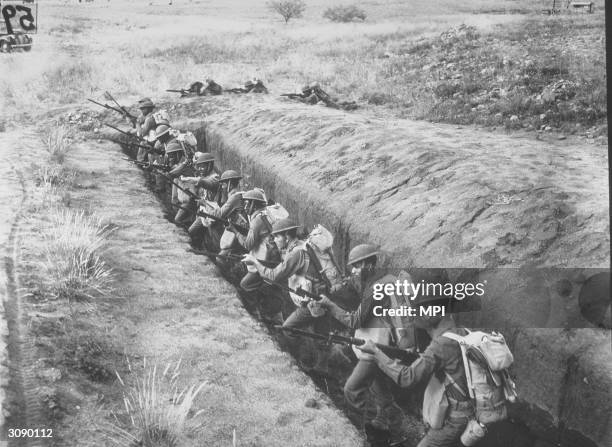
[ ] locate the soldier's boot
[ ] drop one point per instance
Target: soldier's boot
(376, 436)
(398, 426)
(380, 421)
(322, 364)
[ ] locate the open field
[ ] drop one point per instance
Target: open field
(408, 59)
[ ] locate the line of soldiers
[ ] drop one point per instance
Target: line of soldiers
(240, 229)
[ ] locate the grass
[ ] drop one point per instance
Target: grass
(159, 410)
(57, 141)
(349, 60)
(72, 249)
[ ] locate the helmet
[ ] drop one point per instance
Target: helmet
(283, 225)
(173, 146)
(249, 83)
(361, 252)
(204, 157)
(162, 129)
(230, 175)
(255, 194)
(145, 102)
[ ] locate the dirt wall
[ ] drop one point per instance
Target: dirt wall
(436, 195)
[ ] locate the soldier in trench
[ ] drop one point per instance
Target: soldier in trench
(366, 375)
(267, 300)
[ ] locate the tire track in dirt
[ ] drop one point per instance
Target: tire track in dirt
(22, 401)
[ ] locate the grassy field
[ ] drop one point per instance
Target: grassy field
(408, 59)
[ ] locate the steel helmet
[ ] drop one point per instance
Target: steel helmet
(361, 252)
(255, 194)
(204, 157)
(283, 225)
(173, 146)
(161, 130)
(230, 175)
(145, 102)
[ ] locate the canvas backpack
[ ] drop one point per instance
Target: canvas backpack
(486, 358)
(319, 249)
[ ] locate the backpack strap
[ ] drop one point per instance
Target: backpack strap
(468, 373)
(317, 265)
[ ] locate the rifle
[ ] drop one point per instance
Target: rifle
(299, 291)
(242, 230)
(127, 114)
(229, 256)
(236, 90)
(146, 148)
(131, 135)
(142, 164)
(122, 112)
(167, 177)
(405, 356)
(293, 95)
(182, 91)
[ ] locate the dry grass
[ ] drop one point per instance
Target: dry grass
(72, 247)
(132, 50)
(57, 140)
(158, 409)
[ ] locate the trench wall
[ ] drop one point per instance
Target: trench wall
(564, 376)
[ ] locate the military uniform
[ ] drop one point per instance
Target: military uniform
(442, 357)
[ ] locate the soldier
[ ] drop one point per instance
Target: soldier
(211, 88)
(145, 124)
(442, 359)
(206, 184)
(231, 209)
(255, 86)
(256, 242)
(366, 375)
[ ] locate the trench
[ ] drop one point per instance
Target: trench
(310, 211)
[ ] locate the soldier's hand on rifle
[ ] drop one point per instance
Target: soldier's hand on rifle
(368, 347)
(325, 301)
(249, 259)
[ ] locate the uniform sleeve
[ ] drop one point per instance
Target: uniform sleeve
(292, 263)
(409, 376)
(178, 169)
(211, 183)
(357, 318)
(232, 203)
(257, 232)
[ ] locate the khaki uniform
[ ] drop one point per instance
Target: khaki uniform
(442, 356)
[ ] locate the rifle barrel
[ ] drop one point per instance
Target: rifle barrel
(391, 351)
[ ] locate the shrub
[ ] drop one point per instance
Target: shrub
(57, 142)
(288, 9)
(344, 13)
(158, 410)
(72, 247)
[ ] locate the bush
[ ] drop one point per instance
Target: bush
(159, 411)
(288, 9)
(72, 248)
(57, 142)
(344, 13)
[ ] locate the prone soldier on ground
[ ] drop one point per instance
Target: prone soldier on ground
(314, 94)
(254, 85)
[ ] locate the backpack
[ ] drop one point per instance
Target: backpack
(319, 249)
(160, 116)
(486, 358)
(275, 212)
